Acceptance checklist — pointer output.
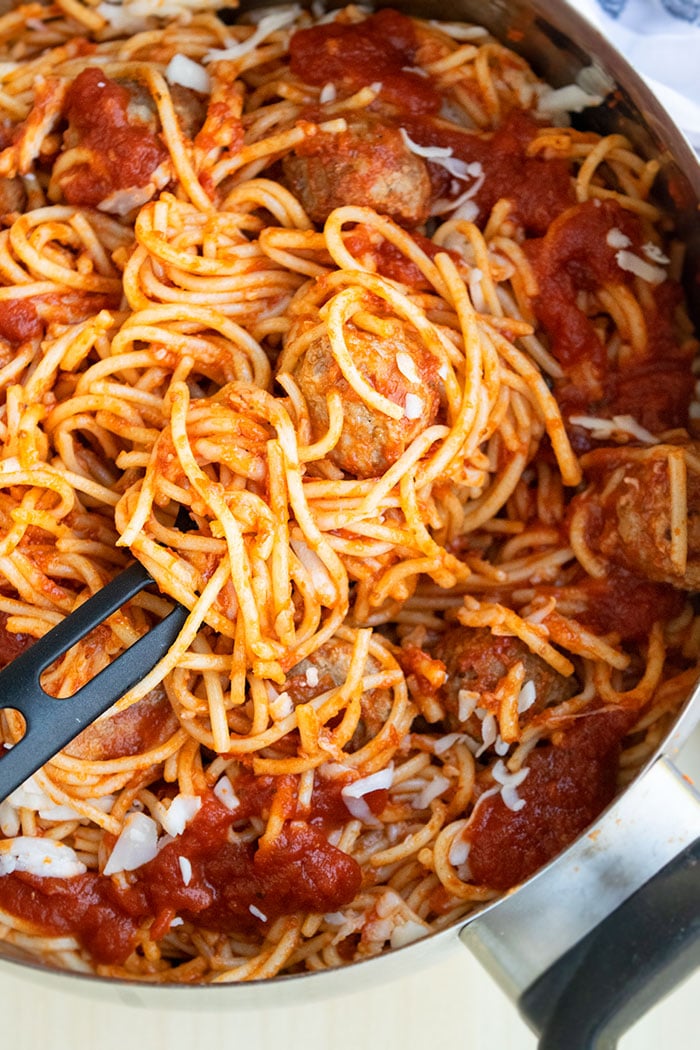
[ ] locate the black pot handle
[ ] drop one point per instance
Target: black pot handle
(625, 965)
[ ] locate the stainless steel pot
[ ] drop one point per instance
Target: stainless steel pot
(597, 936)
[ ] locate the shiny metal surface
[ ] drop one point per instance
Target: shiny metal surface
(525, 933)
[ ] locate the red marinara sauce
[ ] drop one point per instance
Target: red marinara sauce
(538, 188)
(125, 151)
(19, 321)
(11, 643)
(376, 50)
(570, 782)
(298, 871)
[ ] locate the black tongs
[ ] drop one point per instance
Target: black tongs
(52, 723)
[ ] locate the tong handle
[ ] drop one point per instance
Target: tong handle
(51, 723)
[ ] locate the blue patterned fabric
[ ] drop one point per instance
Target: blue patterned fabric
(661, 40)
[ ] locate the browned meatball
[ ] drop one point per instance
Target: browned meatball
(328, 668)
(368, 165)
(370, 442)
(477, 660)
(113, 156)
(628, 511)
(143, 726)
(12, 196)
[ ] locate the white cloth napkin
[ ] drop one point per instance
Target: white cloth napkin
(661, 40)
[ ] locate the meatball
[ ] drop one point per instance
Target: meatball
(628, 511)
(477, 660)
(328, 668)
(143, 726)
(368, 165)
(12, 196)
(113, 157)
(370, 442)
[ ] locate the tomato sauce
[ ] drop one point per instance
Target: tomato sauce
(11, 643)
(389, 260)
(125, 151)
(538, 188)
(299, 871)
(574, 256)
(376, 50)
(19, 321)
(627, 605)
(570, 782)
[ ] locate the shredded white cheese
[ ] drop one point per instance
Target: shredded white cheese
(489, 732)
(407, 932)
(413, 409)
(407, 367)
(432, 790)
(185, 869)
(639, 267)
(607, 428)
(224, 791)
(568, 99)
(184, 71)
(281, 706)
(459, 851)
(617, 239)
(257, 913)
(181, 811)
(353, 794)
(311, 676)
(653, 252)
(510, 782)
(467, 700)
(136, 845)
(526, 696)
(328, 93)
(446, 742)
(36, 856)
(266, 26)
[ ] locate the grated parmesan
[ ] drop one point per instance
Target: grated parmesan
(432, 790)
(653, 252)
(257, 913)
(311, 676)
(353, 794)
(181, 811)
(45, 858)
(489, 732)
(327, 94)
(526, 696)
(414, 406)
(568, 99)
(639, 267)
(224, 791)
(510, 782)
(136, 844)
(185, 869)
(407, 367)
(183, 70)
(467, 700)
(407, 932)
(266, 26)
(459, 851)
(617, 239)
(607, 428)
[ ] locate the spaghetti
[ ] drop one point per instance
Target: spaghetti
(412, 353)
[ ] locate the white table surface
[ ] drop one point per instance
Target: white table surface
(453, 1004)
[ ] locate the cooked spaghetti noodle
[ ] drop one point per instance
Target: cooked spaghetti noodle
(411, 352)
